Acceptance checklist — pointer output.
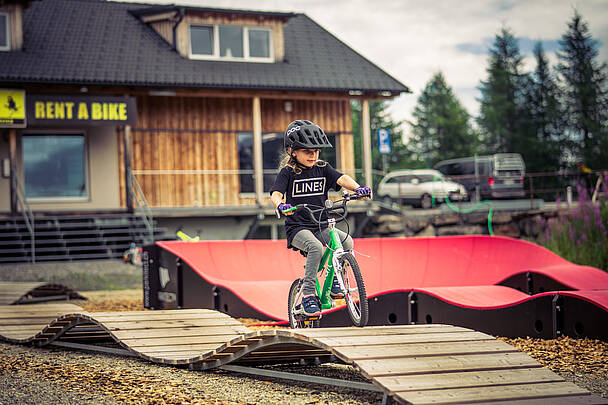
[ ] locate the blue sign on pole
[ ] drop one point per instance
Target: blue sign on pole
(384, 141)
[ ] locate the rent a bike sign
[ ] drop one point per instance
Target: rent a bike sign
(89, 110)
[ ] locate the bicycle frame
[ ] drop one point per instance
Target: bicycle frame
(331, 256)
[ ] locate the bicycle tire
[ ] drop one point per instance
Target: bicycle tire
(291, 301)
(357, 307)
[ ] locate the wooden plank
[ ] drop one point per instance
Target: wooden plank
(408, 365)
(174, 312)
(163, 324)
(566, 400)
(499, 393)
(402, 338)
(173, 341)
(159, 317)
(173, 332)
(424, 349)
(200, 348)
(467, 379)
(373, 331)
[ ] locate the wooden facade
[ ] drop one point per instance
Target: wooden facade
(184, 150)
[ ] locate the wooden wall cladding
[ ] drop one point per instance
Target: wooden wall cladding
(185, 140)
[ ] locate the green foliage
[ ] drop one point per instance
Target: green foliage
(502, 97)
(441, 128)
(584, 82)
(379, 119)
(542, 119)
(581, 238)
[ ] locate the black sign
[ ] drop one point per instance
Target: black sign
(80, 110)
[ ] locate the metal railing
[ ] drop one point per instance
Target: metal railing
(142, 206)
(28, 215)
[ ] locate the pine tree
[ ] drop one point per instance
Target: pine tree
(379, 119)
(542, 119)
(584, 81)
(502, 96)
(441, 128)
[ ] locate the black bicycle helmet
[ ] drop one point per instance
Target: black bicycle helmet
(303, 134)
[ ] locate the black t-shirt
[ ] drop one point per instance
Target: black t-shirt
(308, 187)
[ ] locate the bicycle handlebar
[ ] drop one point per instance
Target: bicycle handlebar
(340, 206)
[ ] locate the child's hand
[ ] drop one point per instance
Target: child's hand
(284, 207)
(364, 192)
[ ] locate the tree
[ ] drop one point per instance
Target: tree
(379, 118)
(542, 118)
(584, 82)
(501, 96)
(441, 127)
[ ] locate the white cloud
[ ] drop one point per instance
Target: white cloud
(411, 40)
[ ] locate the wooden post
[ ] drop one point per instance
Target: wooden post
(12, 133)
(367, 143)
(258, 163)
(127, 141)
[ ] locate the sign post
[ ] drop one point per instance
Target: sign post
(384, 146)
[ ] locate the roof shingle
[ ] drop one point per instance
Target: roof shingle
(93, 42)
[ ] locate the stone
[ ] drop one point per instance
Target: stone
(479, 217)
(390, 227)
(416, 224)
(531, 226)
(379, 219)
(501, 218)
(449, 219)
(427, 232)
(460, 230)
(510, 230)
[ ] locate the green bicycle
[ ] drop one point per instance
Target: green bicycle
(335, 261)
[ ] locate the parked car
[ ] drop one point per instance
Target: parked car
(496, 176)
(418, 187)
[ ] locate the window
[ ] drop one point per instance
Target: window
(231, 43)
(5, 43)
(54, 166)
(272, 153)
(329, 154)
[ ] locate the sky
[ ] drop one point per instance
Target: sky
(413, 40)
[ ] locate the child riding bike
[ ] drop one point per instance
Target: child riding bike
(304, 179)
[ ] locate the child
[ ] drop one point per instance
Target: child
(304, 179)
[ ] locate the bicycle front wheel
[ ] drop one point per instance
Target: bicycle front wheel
(355, 295)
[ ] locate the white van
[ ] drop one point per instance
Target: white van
(418, 187)
(497, 176)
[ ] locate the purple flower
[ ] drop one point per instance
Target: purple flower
(571, 235)
(583, 238)
(558, 202)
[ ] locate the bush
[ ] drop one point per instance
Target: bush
(581, 237)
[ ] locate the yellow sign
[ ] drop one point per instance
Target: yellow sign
(12, 108)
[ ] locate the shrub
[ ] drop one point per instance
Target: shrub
(582, 236)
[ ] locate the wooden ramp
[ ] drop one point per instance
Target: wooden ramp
(12, 293)
(416, 364)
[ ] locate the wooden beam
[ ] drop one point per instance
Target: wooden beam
(12, 133)
(367, 143)
(127, 142)
(258, 163)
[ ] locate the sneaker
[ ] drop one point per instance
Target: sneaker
(336, 291)
(309, 306)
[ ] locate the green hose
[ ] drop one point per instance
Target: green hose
(469, 210)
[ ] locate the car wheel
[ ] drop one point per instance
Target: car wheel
(426, 201)
(387, 199)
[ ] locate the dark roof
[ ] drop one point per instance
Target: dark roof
(92, 42)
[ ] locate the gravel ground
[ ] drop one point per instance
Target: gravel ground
(52, 375)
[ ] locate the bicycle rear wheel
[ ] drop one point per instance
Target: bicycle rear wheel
(295, 297)
(355, 295)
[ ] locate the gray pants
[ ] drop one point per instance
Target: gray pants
(306, 241)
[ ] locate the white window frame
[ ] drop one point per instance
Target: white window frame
(216, 45)
(7, 47)
(87, 179)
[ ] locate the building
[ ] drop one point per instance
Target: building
(104, 103)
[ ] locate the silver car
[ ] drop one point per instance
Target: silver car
(418, 187)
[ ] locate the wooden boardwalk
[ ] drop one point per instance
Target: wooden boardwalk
(416, 364)
(26, 292)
